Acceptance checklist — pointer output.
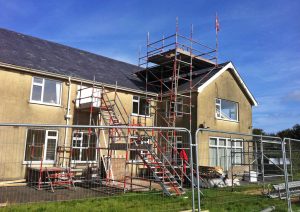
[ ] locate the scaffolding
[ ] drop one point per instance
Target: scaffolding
(168, 68)
(141, 148)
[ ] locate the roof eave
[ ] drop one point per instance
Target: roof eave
(230, 66)
(74, 79)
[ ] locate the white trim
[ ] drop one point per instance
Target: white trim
(80, 148)
(227, 118)
(45, 147)
(225, 68)
(179, 114)
(41, 102)
(226, 147)
(138, 101)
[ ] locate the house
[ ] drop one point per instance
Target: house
(48, 83)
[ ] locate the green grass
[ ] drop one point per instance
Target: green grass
(242, 199)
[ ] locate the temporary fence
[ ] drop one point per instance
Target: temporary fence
(248, 171)
(291, 189)
(154, 165)
(49, 163)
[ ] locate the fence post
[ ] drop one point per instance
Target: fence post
(286, 177)
(192, 170)
(197, 171)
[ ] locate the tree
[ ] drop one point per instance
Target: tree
(258, 131)
(294, 132)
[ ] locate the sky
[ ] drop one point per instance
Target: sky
(261, 38)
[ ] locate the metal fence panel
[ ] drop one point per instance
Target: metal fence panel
(41, 163)
(243, 170)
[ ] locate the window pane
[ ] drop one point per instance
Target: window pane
(144, 107)
(212, 141)
(222, 158)
(50, 154)
(229, 110)
(136, 98)
(38, 80)
(52, 133)
(213, 156)
(85, 140)
(36, 93)
(75, 154)
(238, 156)
(51, 92)
(238, 144)
(77, 135)
(222, 142)
(34, 144)
(135, 107)
(133, 155)
(218, 111)
(229, 143)
(229, 158)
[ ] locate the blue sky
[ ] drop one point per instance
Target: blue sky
(260, 37)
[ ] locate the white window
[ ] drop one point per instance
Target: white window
(41, 145)
(222, 150)
(84, 147)
(226, 110)
(45, 91)
(174, 108)
(143, 143)
(140, 106)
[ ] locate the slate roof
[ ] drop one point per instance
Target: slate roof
(201, 76)
(30, 52)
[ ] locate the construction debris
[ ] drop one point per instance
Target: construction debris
(211, 177)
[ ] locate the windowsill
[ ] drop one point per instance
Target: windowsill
(83, 162)
(137, 115)
(135, 161)
(42, 103)
(227, 120)
(38, 162)
(177, 116)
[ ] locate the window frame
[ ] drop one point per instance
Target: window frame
(136, 156)
(220, 105)
(138, 101)
(227, 146)
(42, 91)
(45, 147)
(178, 113)
(82, 148)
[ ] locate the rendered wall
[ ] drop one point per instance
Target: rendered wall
(15, 107)
(224, 87)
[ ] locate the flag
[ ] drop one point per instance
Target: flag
(217, 23)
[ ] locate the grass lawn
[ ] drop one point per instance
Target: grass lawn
(242, 199)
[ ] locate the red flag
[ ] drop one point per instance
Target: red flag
(217, 24)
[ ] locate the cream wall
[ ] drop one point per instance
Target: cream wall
(224, 87)
(15, 107)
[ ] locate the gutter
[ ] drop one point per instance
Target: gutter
(74, 79)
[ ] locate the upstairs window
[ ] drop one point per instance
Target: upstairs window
(226, 110)
(174, 108)
(140, 106)
(45, 91)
